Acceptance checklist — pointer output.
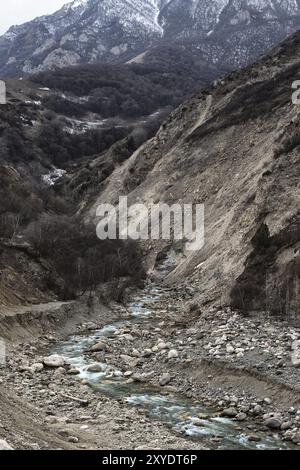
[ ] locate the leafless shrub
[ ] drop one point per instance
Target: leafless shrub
(80, 258)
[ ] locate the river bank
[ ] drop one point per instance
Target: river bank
(148, 379)
(48, 408)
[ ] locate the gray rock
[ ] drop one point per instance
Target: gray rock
(230, 349)
(258, 410)
(127, 337)
(96, 368)
(135, 353)
(4, 445)
(286, 425)
(73, 371)
(273, 423)
(165, 379)
(173, 354)
(54, 361)
(143, 378)
(296, 438)
(127, 359)
(118, 374)
(101, 346)
(37, 367)
(161, 346)
(128, 373)
(59, 371)
(241, 417)
(230, 412)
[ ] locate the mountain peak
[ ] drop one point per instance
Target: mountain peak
(87, 31)
(77, 4)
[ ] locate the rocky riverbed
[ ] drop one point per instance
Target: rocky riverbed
(165, 377)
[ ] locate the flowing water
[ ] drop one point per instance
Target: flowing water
(189, 419)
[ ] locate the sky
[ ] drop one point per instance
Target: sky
(18, 11)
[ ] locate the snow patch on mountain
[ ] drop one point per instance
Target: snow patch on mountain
(86, 31)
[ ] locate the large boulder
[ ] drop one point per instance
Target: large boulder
(273, 423)
(96, 368)
(229, 412)
(101, 346)
(54, 361)
(173, 354)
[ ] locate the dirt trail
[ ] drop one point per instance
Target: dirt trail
(20, 323)
(24, 309)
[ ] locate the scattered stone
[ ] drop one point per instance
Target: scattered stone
(54, 361)
(257, 410)
(118, 374)
(128, 373)
(230, 349)
(37, 367)
(273, 423)
(296, 438)
(173, 354)
(101, 346)
(73, 371)
(286, 425)
(60, 371)
(162, 346)
(135, 353)
(234, 400)
(165, 379)
(230, 412)
(241, 417)
(127, 359)
(127, 337)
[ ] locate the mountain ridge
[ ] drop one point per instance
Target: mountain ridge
(87, 31)
(240, 158)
